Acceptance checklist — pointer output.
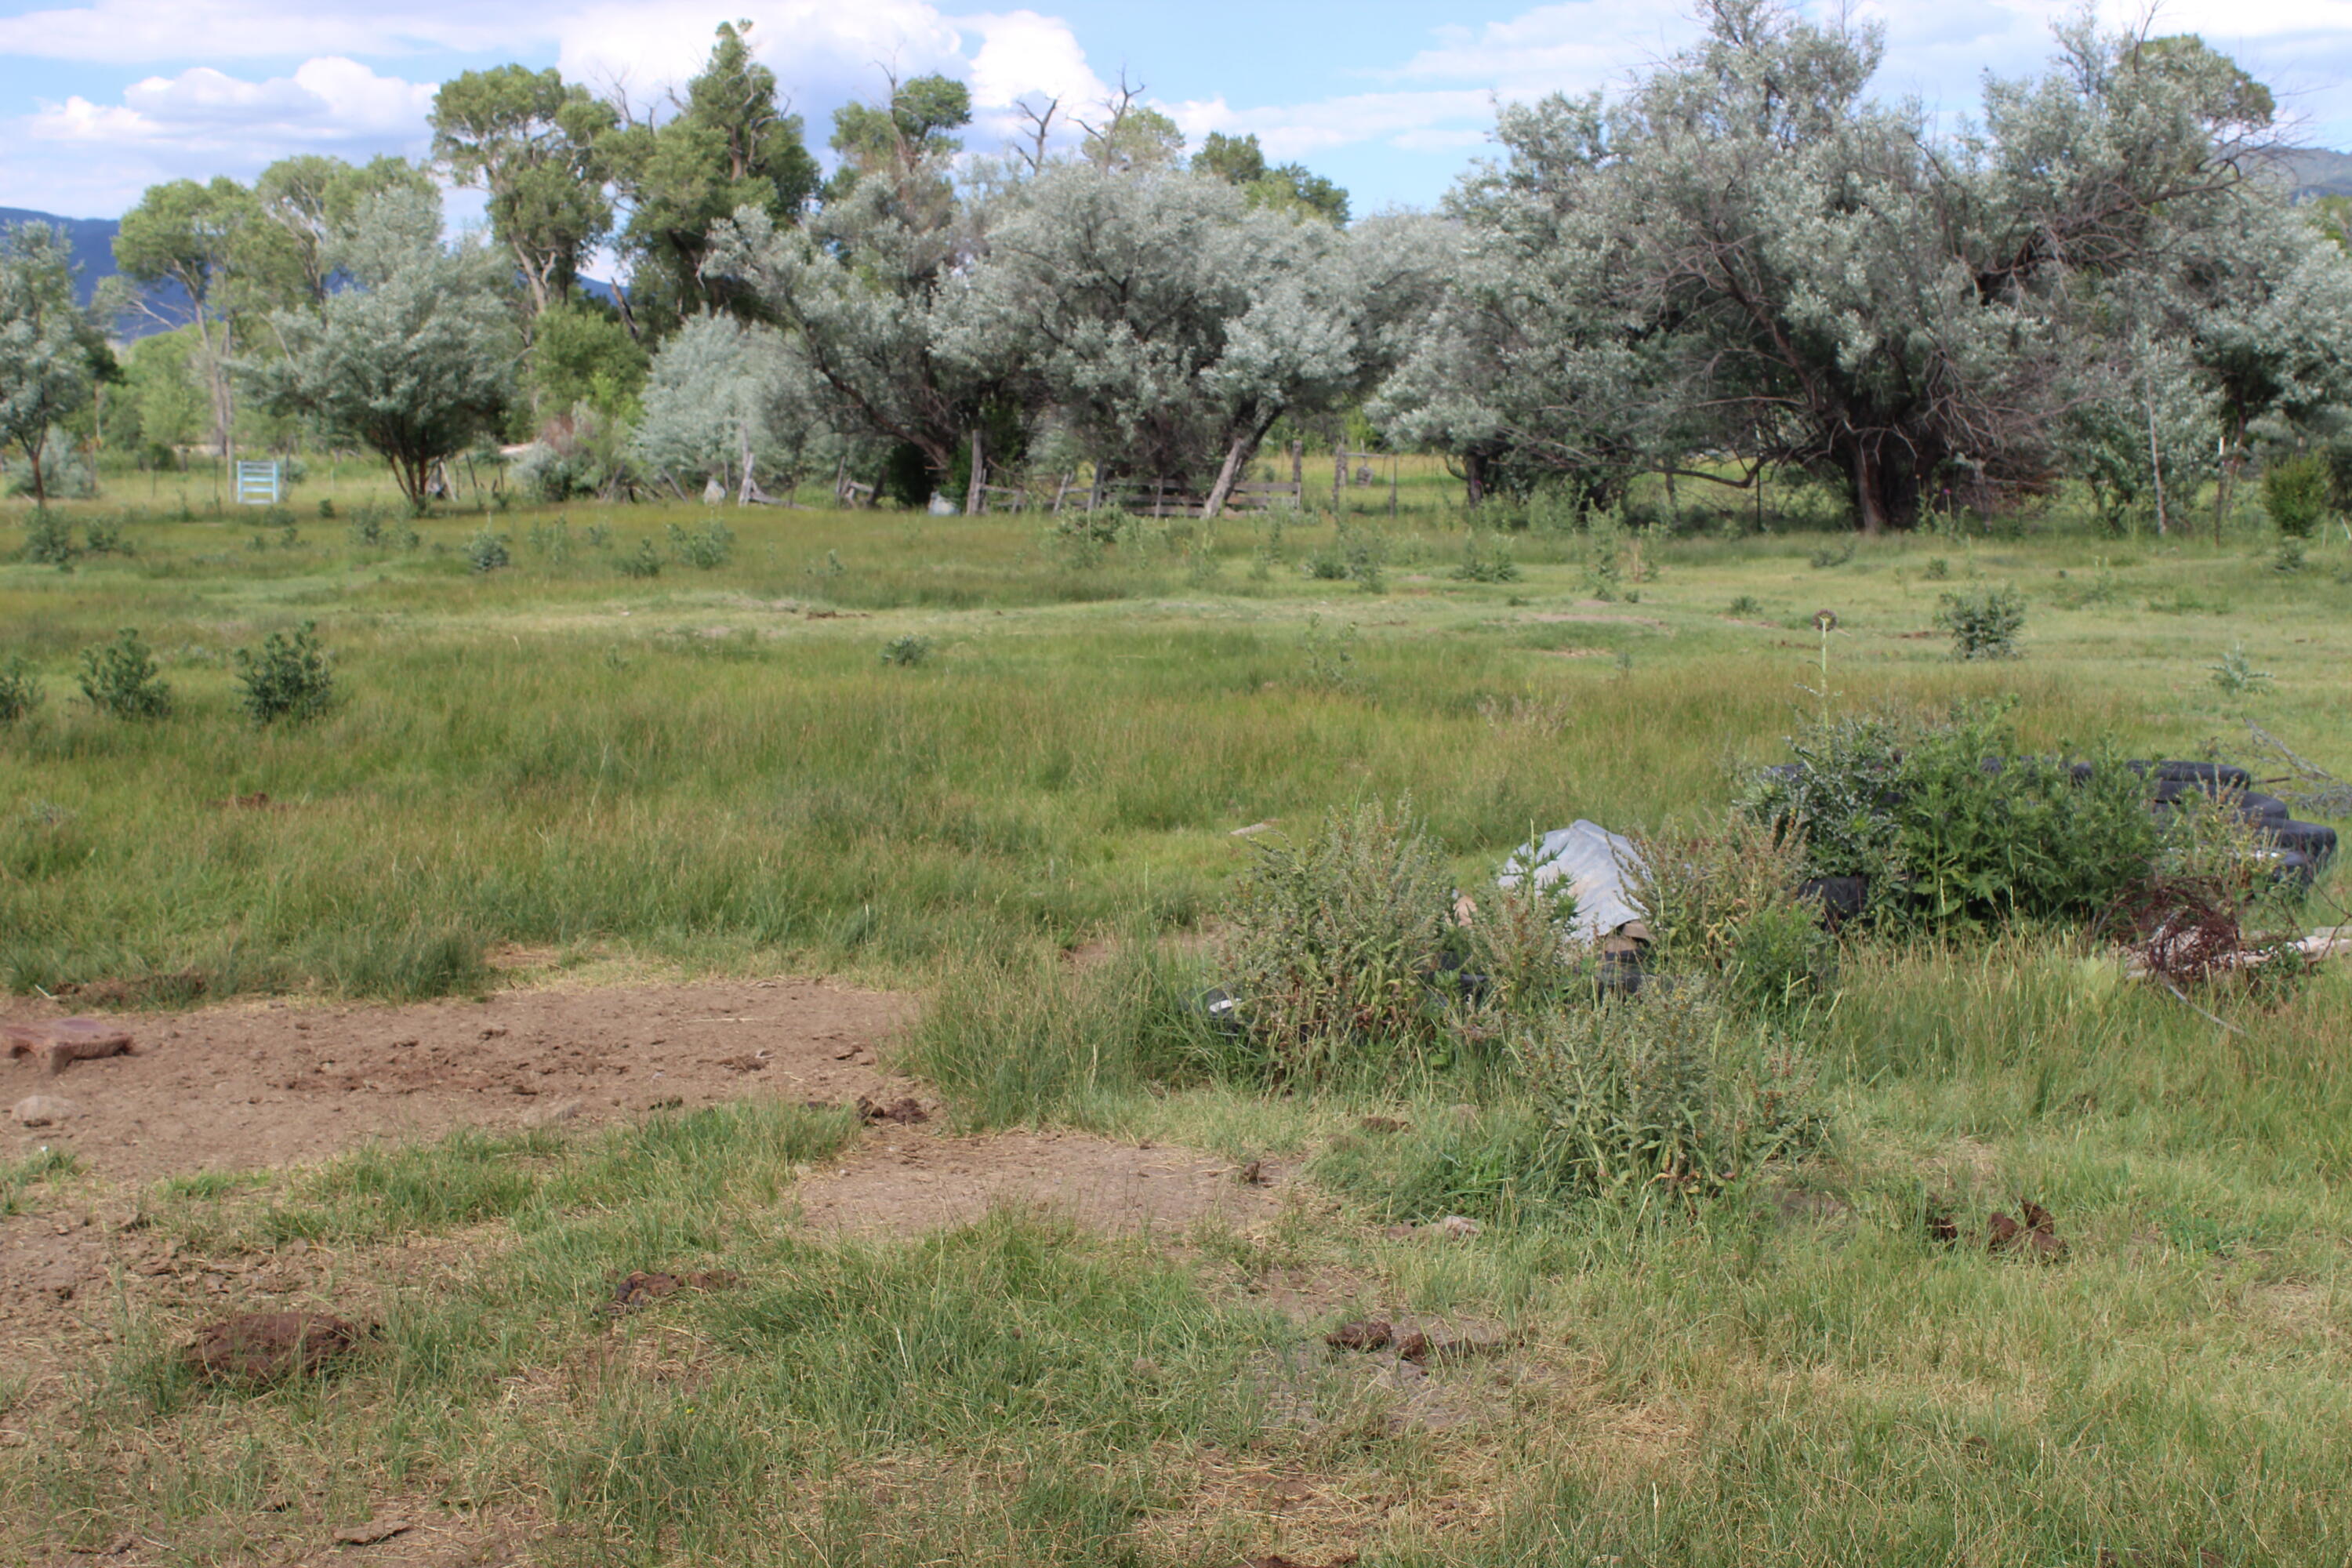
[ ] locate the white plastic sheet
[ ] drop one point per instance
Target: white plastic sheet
(1595, 863)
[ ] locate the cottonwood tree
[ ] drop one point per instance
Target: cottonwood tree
(52, 351)
(727, 143)
(195, 238)
(535, 142)
(307, 199)
(416, 360)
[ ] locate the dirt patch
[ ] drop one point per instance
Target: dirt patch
(241, 1086)
(907, 1180)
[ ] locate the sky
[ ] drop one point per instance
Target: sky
(98, 99)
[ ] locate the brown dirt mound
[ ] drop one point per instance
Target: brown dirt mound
(240, 1087)
(263, 1347)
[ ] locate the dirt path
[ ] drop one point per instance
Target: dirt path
(236, 1088)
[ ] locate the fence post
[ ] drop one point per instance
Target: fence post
(1338, 473)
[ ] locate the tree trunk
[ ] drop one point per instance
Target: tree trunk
(1473, 475)
(971, 495)
(1869, 504)
(1235, 456)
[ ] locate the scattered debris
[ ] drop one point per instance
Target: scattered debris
(1459, 1228)
(1276, 1560)
(644, 1285)
(115, 1548)
(903, 1112)
(1251, 1174)
(1368, 1334)
(42, 1109)
(64, 1041)
(2037, 1236)
(1942, 1229)
(367, 1534)
(1596, 867)
(263, 1347)
(749, 1061)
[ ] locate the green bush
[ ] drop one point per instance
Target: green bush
(287, 678)
(1984, 625)
(121, 679)
(907, 651)
(645, 562)
(705, 547)
(104, 536)
(1331, 945)
(19, 692)
(1950, 822)
(48, 540)
(1494, 565)
(2294, 493)
(487, 552)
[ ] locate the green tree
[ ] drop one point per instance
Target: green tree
(193, 237)
(582, 354)
(52, 351)
(163, 389)
(535, 142)
(907, 139)
(308, 197)
(728, 145)
(416, 360)
(1241, 162)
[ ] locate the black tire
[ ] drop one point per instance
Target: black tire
(2315, 841)
(1840, 898)
(2209, 776)
(2288, 866)
(2256, 806)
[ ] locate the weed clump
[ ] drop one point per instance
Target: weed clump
(287, 678)
(20, 693)
(486, 550)
(645, 562)
(706, 547)
(1491, 566)
(1668, 1091)
(121, 679)
(48, 540)
(1983, 626)
(1333, 943)
(907, 651)
(2295, 495)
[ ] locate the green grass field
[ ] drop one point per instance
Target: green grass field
(717, 771)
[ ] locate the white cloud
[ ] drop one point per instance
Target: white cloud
(1296, 131)
(328, 100)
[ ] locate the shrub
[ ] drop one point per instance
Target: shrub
(907, 651)
(487, 552)
(1494, 565)
(706, 547)
(1331, 945)
(48, 540)
(19, 692)
(104, 536)
(1951, 824)
(1824, 558)
(645, 562)
(1937, 569)
(1983, 626)
(287, 678)
(552, 541)
(121, 679)
(1746, 604)
(2294, 493)
(2236, 676)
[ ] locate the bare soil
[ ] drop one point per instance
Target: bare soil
(245, 1086)
(908, 1179)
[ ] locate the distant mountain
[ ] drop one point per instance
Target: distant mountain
(2319, 173)
(91, 240)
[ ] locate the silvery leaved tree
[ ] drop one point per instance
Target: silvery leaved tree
(414, 360)
(52, 350)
